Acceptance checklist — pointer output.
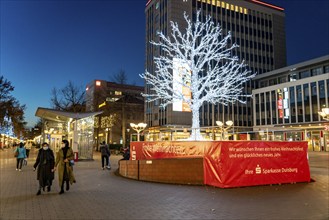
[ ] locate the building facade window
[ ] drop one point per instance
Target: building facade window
(292, 104)
(314, 102)
(304, 74)
(316, 71)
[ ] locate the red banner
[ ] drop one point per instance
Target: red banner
(167, 149)
(236, 163)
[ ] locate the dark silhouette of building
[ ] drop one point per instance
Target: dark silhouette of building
(121, 105)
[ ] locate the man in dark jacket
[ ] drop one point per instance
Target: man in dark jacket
(45, 163)
(105, 152)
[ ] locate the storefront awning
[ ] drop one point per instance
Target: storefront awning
(62, 116)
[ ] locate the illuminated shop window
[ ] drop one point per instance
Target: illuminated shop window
(225, 6)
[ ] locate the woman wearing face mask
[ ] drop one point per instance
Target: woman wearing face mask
(45, 163)
(65, 171)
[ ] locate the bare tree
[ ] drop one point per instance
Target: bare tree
(197, 67)
(11, 111)
(69, 98)
(121, 77)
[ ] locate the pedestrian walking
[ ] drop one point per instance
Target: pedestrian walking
(21, 156)
(65, 171)
(28, 147)
(45, 162)
(105, 152)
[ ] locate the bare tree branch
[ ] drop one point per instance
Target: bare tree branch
(69, 98)
(121, 77)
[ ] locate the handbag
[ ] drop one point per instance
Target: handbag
(71, 163)
(16, 153)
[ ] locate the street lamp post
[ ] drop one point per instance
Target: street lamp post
(222, 129)
(138, 128)
(128, 137)
(324, 113)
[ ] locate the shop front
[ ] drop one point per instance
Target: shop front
(77, 128)
(316, 135)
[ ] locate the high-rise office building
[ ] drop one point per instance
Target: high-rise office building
(259, 29)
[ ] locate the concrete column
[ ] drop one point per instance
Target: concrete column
(75, 137)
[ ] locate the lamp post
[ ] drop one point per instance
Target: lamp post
(324, 113)
(128, 137)
(222, 129)
(138, 128)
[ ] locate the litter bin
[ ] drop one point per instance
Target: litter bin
(76, 156)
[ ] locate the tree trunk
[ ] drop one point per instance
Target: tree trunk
(195, 134)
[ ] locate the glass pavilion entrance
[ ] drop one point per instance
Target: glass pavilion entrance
(77, 128)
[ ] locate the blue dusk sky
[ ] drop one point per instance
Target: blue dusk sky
(44, 44)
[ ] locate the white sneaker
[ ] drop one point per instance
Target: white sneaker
(20, 170)
(16, 169)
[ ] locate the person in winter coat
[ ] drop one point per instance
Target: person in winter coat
(105, 152)
(21, 156)
(45, 163)
(65, 171)
(28, 148)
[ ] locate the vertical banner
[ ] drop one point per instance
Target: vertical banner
(181, 84)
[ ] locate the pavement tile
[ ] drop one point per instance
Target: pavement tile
(100, 194)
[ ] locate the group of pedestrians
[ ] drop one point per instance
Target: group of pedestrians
(46, 165)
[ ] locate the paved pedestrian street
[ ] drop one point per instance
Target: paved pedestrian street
(101, 194)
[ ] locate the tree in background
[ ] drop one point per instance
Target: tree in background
(197, 67)
(70, 98)
(11, 112)
(121, 77)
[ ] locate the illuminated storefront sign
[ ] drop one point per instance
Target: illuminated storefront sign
(286, 103)
(280, 103)
(283, 103)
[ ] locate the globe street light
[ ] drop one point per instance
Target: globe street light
(324, 113)
(138, 127)
(222, 129)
